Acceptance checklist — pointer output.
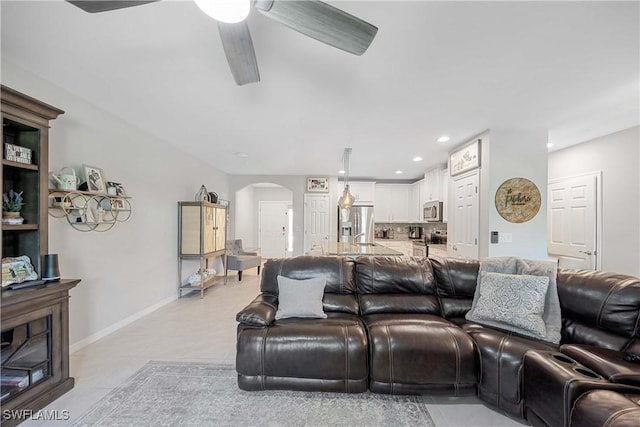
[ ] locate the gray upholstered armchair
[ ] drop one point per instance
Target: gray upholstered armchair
(239, 259)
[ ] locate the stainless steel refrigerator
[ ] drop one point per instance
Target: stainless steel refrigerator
(355, 224)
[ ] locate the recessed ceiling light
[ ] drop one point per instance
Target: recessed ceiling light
(417, 159)
(241, 154)
(342, 172)
(443, 138)
(550, 144)
(398, 172)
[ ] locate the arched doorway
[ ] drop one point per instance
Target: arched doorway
(263, 219)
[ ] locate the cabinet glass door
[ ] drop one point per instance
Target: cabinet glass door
(25, 357)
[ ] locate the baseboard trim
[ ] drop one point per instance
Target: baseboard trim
(124, 322)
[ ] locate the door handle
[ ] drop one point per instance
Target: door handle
(586, 252)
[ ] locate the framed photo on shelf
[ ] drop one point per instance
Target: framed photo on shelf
(117, 204)
(17, 270)
(94, 177)
(116, 189)
(465, 158)
(318, 185)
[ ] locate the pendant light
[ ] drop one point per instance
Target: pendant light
(229, 11)
(347, 199)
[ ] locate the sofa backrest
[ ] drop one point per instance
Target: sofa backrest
(340, 290)
(600, 308)
(456, 281)
(395, 285)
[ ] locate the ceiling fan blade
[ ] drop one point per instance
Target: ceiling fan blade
(322, 22)
(95, 6)
(238, 47)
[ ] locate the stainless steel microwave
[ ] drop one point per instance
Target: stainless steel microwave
(432, 212)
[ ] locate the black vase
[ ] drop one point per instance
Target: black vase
(51, 269)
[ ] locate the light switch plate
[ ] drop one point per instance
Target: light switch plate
(506, 237)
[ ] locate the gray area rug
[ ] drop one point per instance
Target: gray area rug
(200, 394)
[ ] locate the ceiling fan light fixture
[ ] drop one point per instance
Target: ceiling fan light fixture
(228, 11)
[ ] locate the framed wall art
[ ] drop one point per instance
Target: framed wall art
(95, 181)
(117, 204)
(318, 185)
(465, 158)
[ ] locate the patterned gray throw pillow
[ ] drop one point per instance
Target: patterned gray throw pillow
(300, 298)
(511, 302)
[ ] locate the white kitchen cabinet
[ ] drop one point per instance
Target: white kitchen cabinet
(392, 203)
(416, 201)
(363, 192)
(382, 208)
(432, 184)
(444, 193)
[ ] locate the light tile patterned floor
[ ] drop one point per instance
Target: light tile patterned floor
(202, 330)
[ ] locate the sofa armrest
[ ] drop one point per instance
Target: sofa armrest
(606, 362)
(260, 312)
(250, 251)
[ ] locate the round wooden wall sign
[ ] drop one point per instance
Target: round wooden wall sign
(518, 200)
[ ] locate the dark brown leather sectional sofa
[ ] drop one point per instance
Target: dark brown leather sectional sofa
(398, 326)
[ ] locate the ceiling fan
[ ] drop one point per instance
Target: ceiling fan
(312, 18)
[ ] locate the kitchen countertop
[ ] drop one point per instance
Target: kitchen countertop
(369, 249)
(437, 250)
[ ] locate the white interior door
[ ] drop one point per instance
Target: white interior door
(572, 221)
(465, 221)
(317, 221)
(273, 229)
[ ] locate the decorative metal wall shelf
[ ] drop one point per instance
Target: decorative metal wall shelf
(89, 211)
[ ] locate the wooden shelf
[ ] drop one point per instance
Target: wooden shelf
(88, 193)
(19, 165)
(19, 227)
(207, 283)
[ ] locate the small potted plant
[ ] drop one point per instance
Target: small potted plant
(12, 203)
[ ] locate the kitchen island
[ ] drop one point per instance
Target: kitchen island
(360, 249)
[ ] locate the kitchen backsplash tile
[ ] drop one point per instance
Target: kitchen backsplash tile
(401, 230)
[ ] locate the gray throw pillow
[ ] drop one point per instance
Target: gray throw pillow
(300, 298)
(512, 302)
(512, 265)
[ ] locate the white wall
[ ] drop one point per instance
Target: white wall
(130, 270)
(245, 222)
(516, 153)
(617, 156)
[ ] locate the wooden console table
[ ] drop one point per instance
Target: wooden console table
(35, 348)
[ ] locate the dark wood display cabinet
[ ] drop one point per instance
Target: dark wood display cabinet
(35, 349)
(34, 361)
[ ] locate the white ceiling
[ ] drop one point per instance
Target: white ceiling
(455, 68)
